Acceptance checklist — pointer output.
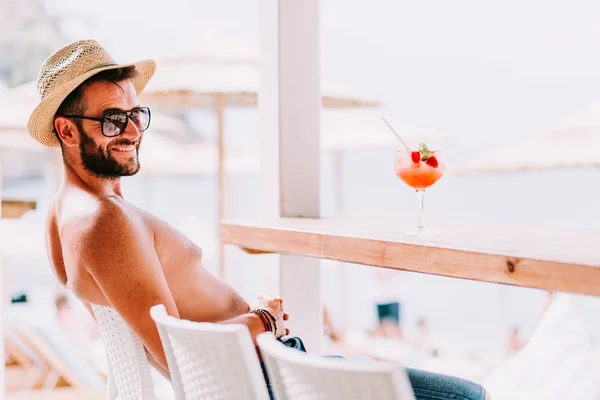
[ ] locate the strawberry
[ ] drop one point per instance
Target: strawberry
(416, 157)
(432, 162)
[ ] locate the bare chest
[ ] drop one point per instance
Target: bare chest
(179, 257)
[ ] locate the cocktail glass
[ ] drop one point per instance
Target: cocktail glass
(420, 169)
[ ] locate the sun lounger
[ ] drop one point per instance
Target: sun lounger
(26, 370)
(59, 394)
(51, 346)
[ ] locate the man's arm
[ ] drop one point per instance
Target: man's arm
(121, 258)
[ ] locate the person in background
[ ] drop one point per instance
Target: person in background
(514, 342)
(424, 340)
(328, 327)
(81, 330)
(423, 333)
(389, 321)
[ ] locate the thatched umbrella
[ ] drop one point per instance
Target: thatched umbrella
(12, 112)
(161, 155)
(574, 144)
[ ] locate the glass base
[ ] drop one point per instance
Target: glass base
(421, 233)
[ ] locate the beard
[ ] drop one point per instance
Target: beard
(100, 162)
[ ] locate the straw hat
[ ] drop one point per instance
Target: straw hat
(66, 69)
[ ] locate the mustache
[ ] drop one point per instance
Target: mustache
(125, 143)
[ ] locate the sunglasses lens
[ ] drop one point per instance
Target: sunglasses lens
(141, 118)
(114, 124)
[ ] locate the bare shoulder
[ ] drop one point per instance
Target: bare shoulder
(89, 224)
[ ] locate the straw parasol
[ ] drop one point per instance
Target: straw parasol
(198, 82)
(15, 106)
(12, 111)
(24, 240)
(573, 144)
(14, 139)
(219, 70)
(161, 155)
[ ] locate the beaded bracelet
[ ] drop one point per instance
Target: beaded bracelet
(264, 319)
(266, 315)
(270, 320)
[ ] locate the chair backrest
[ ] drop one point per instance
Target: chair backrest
(213, 361)
(296, 375)
(129, 376)
(157, 313)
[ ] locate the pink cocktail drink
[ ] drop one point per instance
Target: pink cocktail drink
(420, 169)
(416, 172)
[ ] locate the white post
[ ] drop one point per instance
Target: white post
(221, 181)
(289, 105)
(3, 298)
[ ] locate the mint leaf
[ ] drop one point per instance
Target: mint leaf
(425, 153)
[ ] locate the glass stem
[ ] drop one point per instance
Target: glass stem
(420, 196)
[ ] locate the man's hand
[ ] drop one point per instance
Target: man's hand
(275, 307)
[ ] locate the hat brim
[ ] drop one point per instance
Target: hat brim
(41, 121)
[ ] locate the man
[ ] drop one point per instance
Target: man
(103, 248)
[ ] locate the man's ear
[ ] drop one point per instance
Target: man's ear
(67, 131)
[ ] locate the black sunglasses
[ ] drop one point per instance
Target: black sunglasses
(115, 122)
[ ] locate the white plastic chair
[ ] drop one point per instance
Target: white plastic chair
(212, 361)
(295, 375)
(157, 313)
(129, 376)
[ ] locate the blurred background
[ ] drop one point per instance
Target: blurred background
(510, 90)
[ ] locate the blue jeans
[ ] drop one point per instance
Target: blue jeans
(430, 386)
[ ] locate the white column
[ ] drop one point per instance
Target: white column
(3, 298)
(289, 106)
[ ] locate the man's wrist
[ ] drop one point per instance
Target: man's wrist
(270, 317)
(266, 321)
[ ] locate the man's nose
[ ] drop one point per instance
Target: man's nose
(131, 131)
